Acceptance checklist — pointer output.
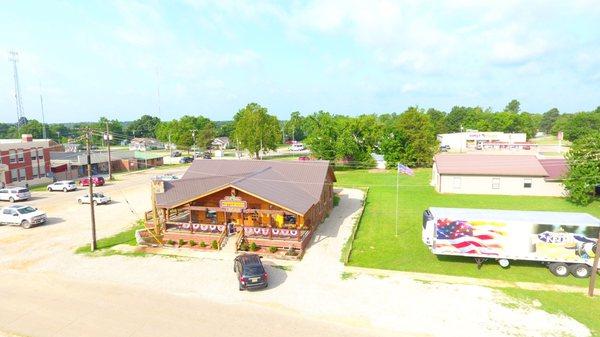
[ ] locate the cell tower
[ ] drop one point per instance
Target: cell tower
(14, 58)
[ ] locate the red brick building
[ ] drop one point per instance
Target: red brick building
(25, 161)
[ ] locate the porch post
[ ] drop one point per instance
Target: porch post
(270, 226)
(298, 227)
(190, 218)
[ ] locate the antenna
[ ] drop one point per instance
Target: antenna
(43, 120)
(14, 58)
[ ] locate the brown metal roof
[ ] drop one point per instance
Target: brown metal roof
(557, 168)
(293, 185)
(499, 165)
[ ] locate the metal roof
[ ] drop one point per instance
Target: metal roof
(499, 165)
(539, 217)
(295, 186)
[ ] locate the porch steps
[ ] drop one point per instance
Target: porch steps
(230, 247)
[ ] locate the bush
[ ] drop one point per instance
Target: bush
(214, 244)
(171, 242)
(202, 244)
(193, 243)
(291, 252)
(244, 246)
(254, 247)
(336, 200)
(182, 242)
(273, 249)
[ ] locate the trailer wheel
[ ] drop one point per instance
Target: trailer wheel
(580, 270)
(559, 269)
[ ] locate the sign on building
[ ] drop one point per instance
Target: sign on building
(233, 204)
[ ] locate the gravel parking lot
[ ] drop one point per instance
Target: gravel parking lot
(312, 289)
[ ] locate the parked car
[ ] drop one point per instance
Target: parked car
(303, 158)
(250, 271)
(62, 185)
(22, 215)
(444, 148)
(297, 147)
(207, 155)
(13, 194)
(186, 160)
(96, 180)
(176, 154)
(98, 199)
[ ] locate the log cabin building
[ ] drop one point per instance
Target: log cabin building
(271, 203)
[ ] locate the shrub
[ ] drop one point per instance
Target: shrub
(193, 243)
(272, 249)
(254, 247)
(182, 242)
(170, 242)
(214, 244)
(336, 200)
(244, 246)
(291, 252)
(202, 244)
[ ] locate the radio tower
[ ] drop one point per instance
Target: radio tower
(14, 58)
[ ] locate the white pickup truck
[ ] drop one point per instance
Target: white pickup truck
(22, 215)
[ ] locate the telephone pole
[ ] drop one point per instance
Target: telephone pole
(88, 140)
(107, 137)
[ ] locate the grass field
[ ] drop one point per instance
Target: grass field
(125, 237)
(377, 246)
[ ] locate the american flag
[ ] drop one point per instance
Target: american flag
(405, 169)
(464, 237)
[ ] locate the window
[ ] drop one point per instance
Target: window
(14, 175)
(13, 156)
(527, 183)
(456, 182)
(7, 211)
(22, 175)
(34, 170)
(495, 183)
(33, 154)
(40, 153)
(42, 169)
(20, 156)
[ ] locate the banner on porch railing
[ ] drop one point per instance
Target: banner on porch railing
(263, 231)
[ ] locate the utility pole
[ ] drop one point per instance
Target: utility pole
(88, 140)
(194, 137)
(594, 268)
(108, 138)
(170, 146)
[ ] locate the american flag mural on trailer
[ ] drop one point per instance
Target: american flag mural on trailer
(464, 237)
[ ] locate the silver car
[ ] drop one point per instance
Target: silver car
(13, 194)
(62, 185)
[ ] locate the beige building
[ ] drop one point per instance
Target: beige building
(498, 174)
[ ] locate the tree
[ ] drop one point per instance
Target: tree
(410, 140)
(294, 128)
(438, 119)
(144, 126)
(323, 136)
(32, 127)
(549, 118)
(513, 106)
(186, 132)
(255, 129)
(577, 125)
(114, 126)
(461, 118)
(207, 135)
(584, 169)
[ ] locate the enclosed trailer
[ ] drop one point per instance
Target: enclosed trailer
(565, 242)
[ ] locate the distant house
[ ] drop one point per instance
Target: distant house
(220, 143)
(145, 144)
(498, 174)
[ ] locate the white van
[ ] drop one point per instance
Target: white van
(297, 147)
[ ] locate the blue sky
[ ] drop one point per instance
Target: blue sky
(107, 58)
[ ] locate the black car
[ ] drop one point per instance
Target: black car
(186, 160)
(206, 155)
(175, 154)
(250, 272)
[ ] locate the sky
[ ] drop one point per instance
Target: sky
(112, 58)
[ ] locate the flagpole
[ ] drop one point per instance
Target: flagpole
(397, 178)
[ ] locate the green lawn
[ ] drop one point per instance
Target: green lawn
(125, 237)
(578, 306)
(376, 245)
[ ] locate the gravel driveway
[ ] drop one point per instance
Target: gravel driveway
(313, 288)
